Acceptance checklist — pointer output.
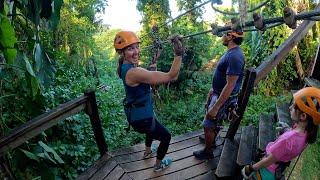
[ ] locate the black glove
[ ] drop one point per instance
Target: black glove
(247, 171)
(177, 45)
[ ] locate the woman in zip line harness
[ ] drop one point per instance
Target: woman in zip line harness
(138, 102)
(305, 114)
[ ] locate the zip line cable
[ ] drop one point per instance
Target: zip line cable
(276, 21)
(190, 10)
(180, 15)
(219, 2)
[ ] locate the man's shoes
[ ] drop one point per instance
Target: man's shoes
(203, 155)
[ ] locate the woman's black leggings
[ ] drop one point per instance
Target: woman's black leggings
(161, 134)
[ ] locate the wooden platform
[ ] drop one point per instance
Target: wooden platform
(128, 163)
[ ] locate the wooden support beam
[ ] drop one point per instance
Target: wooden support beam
(92, 111)
(283, 50)
(246, 90)
(35, 126)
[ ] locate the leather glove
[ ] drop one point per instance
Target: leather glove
(247, 171)
(177, 45)
(152, 67)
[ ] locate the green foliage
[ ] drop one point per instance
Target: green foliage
(198, 47)
(181, 115)
(31, 54)
(154, 13)
(104, 41)
(310, 160)
(7, 39)
(260, 104)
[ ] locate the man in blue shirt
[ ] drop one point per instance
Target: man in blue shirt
(226, 83)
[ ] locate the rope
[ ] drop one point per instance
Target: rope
(237, 13)
(294, 166)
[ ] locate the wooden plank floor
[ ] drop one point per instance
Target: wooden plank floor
(128, 163)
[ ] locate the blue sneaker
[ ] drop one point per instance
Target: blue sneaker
(163, 165)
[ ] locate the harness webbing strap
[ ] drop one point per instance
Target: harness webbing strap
(258, 175)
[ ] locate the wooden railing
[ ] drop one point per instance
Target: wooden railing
(30, 129)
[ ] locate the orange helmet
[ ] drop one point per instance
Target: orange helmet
(308, 101)
(124, 39)
(236, 33)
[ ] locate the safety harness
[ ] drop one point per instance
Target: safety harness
(128, 106)
(137, 103)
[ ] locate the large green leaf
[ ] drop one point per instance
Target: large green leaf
(47, 71)
(7, 34)
(34, 86)
(28, 65)
(45, 155)
(10, 55)
(50, 150)
(30, 155)
(37, 52)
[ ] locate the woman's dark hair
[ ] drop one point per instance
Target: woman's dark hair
(120, 62)
(311, 128)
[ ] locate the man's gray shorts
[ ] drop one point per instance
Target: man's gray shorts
(222, 113)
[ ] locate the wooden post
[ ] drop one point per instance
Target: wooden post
(92, 111)
(246, 90)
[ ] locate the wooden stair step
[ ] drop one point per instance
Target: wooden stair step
(227, 163)
(141, 147)
(312, 82)
(283, 113)
(193, 171)
(247, 145)
(266, 131)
